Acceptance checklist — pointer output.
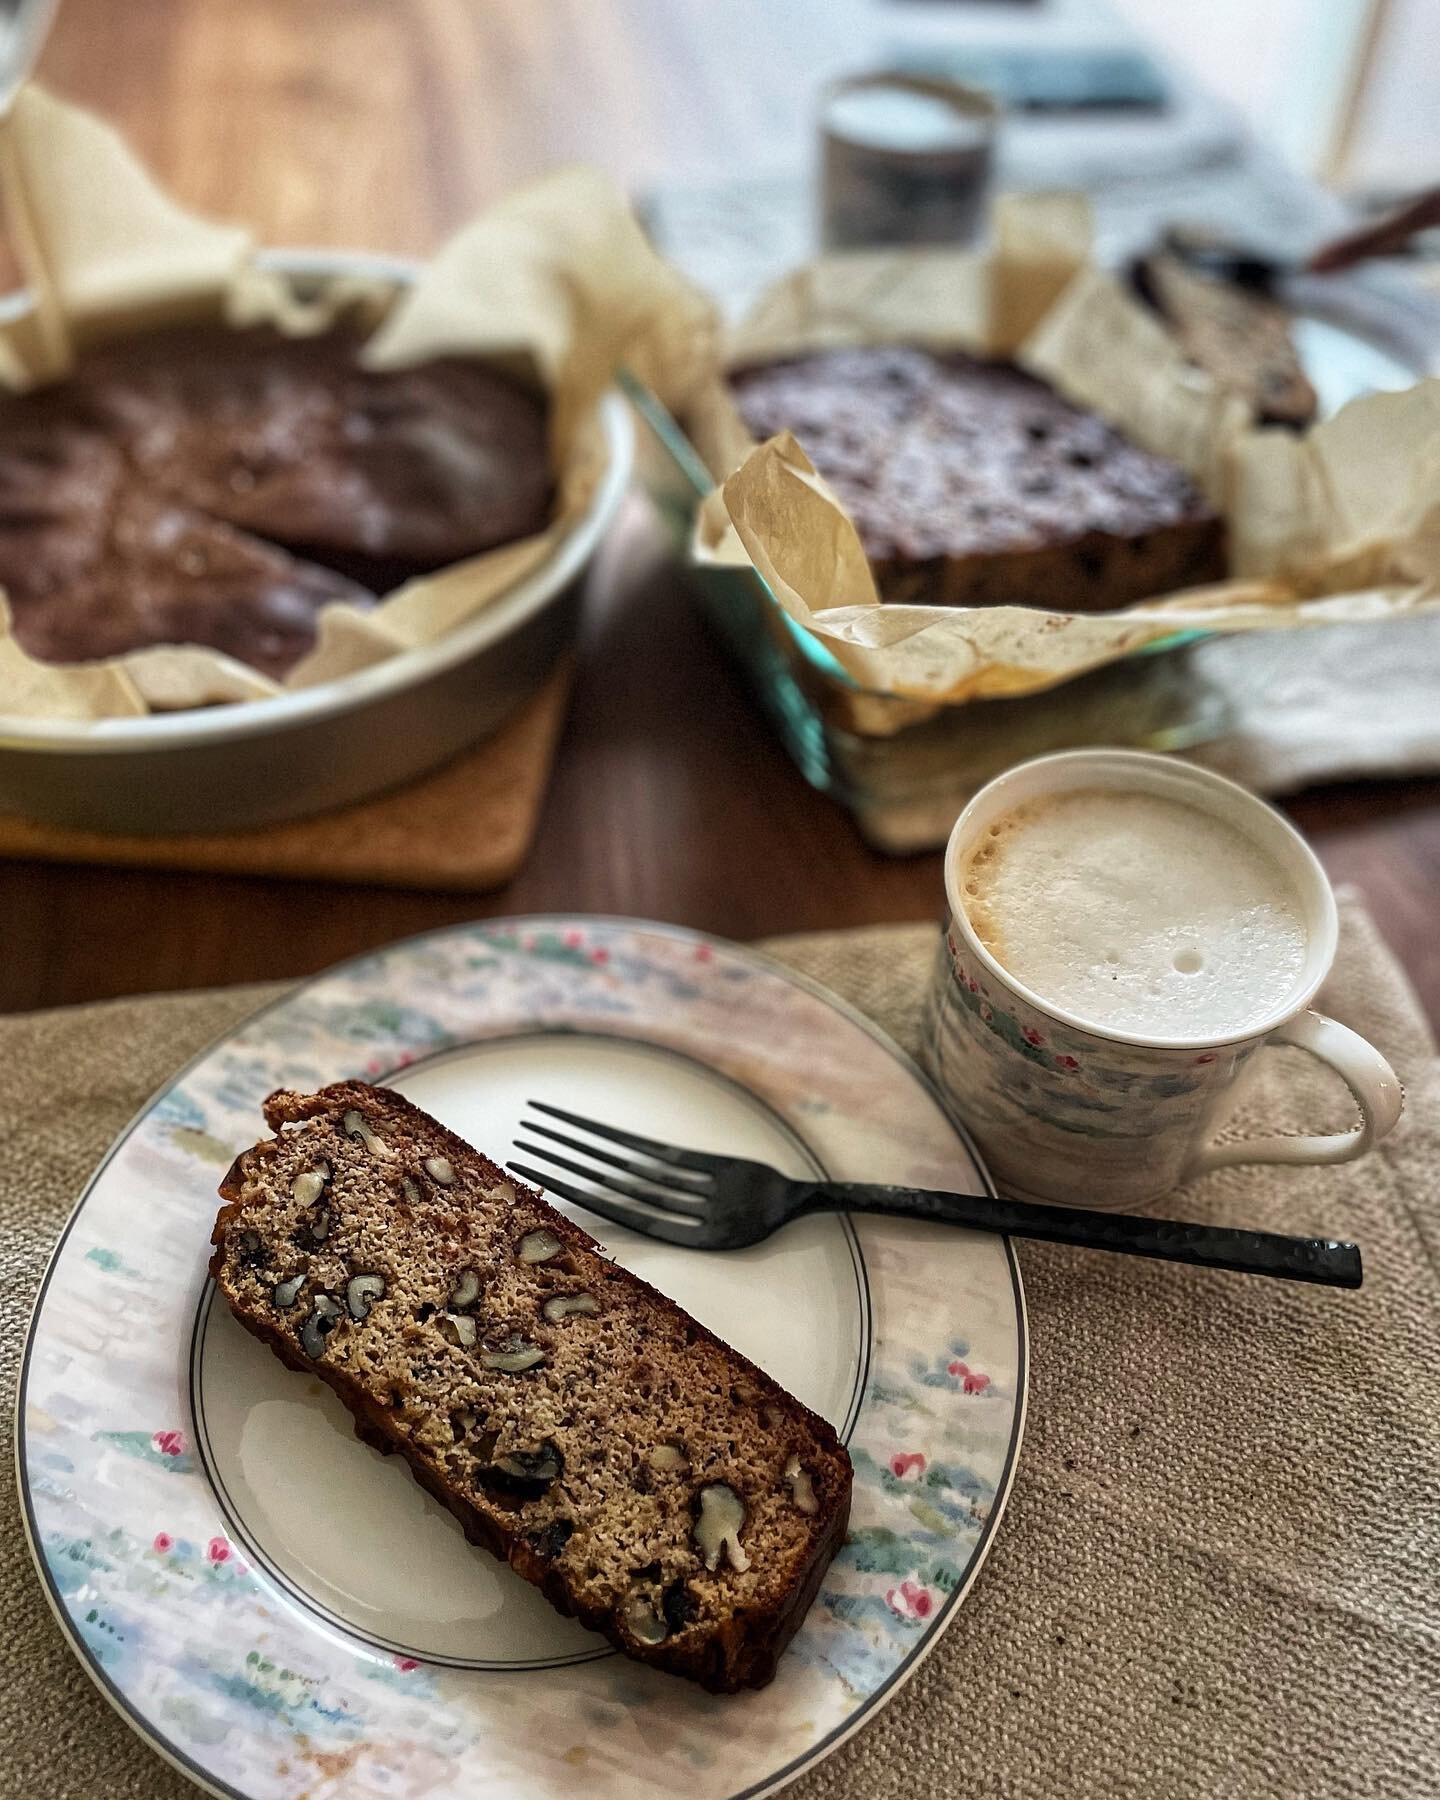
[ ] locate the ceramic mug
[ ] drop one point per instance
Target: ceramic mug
(1067, 1111)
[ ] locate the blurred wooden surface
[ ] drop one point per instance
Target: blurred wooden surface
(382, 124)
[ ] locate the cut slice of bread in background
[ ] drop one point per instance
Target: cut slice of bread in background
(1238, 336)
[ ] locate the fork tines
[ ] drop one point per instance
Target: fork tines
(664, 1197)
(670, 1155)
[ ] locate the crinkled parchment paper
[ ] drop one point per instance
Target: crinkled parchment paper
(1339, 523)
(556, 280)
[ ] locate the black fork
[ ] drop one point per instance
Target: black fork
(708, 1202)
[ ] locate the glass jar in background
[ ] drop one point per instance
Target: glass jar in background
(904, 160)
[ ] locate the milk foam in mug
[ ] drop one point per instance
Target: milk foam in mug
(1125, 932)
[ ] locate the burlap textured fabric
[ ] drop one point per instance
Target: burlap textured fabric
(1219, 1574)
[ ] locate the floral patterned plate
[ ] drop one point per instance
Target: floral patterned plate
(280, 1612)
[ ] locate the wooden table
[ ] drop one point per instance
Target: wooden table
(383, 123)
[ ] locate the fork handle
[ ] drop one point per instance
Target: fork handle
(1329, 1262)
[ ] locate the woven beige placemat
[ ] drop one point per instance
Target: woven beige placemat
(1219, 1575)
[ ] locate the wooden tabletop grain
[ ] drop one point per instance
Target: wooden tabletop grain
(382, 124)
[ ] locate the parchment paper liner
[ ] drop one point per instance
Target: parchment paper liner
(1339, 523)
(556, 280)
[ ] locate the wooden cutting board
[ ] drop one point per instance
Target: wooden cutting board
(467, 826)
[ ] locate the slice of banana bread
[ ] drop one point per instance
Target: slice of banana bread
(1238, 335)
(648, 1479)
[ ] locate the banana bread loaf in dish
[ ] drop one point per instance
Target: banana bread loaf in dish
(214, 486)
(652, 1482)
(973, 484)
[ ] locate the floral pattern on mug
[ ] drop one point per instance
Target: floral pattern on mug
(1023, 1036)
(1018, 1076)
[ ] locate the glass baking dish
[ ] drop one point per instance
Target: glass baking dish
(904, 768)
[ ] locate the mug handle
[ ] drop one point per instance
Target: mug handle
(1364, 1071)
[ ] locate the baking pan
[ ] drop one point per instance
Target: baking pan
(905, 768)
(223, 768)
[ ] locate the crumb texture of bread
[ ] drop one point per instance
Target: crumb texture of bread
(651, 1481)
(973, 484)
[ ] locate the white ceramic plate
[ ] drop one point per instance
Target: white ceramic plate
(282, 1612)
